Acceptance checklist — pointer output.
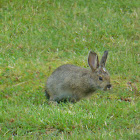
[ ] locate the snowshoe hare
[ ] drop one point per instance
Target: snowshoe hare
(72, 83)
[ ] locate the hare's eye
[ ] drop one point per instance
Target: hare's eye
(100, 78)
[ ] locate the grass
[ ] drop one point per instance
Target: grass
(37, 36)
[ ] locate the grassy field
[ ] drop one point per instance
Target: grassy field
(37, 36)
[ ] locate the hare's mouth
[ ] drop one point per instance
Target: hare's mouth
(108, 87)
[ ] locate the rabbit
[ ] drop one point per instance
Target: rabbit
(72, 83)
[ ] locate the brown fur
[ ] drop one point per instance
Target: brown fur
(69, 82)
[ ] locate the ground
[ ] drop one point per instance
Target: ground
(37, 36)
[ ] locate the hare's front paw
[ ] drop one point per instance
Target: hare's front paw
(52, 103)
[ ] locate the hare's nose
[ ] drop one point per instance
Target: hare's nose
(109, 86)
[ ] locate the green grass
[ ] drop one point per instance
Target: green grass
(37, 36)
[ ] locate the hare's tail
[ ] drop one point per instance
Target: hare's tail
(47, 95)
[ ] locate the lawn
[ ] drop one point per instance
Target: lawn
(37, 36)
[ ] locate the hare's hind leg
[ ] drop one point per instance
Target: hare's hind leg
(63, 98)
(58, 99)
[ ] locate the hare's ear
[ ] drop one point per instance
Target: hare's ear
(93, 61)
(104, 58)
